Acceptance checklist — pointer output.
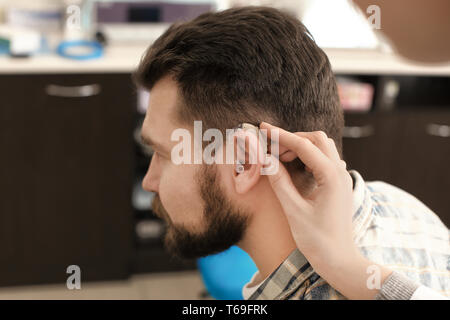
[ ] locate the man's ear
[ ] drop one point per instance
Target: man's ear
(247, 177)
(247, 168)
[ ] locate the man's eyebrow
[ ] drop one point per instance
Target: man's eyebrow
(151, 143)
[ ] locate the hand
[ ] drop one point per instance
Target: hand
(321, 222)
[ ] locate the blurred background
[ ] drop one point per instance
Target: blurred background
(71, 160)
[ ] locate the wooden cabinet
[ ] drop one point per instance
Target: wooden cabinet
(368, 141)
(409, 149)
(66, 168)
(425, 154)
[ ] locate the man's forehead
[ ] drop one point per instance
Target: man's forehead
(163, 99)
(161, 116)
(157, 126)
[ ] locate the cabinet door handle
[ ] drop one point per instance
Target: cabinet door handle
(73, 92)
(357, 132)
(438, 130)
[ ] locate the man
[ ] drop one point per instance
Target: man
(255, 64)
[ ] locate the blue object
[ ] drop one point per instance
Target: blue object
(96, 49)
(225, 274)
(3, 49)
(4, 46)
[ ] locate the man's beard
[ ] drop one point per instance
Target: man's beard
(224, 224)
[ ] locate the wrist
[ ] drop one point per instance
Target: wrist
(331, 258)
(352, 274)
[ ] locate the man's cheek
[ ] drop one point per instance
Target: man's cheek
(173, 200)
(167, 199)
(179, 193)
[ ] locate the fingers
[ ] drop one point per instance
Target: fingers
(285, 190)
(318, 138)
(321, 140)
(321, 164)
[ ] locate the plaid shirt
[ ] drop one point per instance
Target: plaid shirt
(392, 228)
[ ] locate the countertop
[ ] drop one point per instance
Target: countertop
(125, 58)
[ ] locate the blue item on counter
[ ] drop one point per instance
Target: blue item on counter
(96, 49)
(4, 47)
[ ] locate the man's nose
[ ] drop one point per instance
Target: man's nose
(151, 180)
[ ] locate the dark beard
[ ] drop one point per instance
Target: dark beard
(224, 225)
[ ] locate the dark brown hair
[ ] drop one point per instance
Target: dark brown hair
(247, 64)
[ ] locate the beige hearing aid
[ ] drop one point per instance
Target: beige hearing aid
(247, 127)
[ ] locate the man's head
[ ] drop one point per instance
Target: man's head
(245, 64)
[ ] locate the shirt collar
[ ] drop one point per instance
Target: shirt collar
(295, 269)
(362, 206)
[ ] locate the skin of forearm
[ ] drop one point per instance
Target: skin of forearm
(349, 275)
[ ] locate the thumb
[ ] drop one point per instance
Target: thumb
(283, 187)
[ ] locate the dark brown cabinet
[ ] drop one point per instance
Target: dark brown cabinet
(368, 140)
(425, 152)
(66, 162)
(409, 149)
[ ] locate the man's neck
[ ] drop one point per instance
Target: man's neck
(268, 241)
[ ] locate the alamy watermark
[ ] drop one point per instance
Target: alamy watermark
(251, 147)
(374, 279)
(374, 17)
(74, 280)
(73, 20)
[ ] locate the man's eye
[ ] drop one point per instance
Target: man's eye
(159, 154)
(148, 151)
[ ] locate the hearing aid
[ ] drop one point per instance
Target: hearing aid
(246, 127)
(239, 166)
